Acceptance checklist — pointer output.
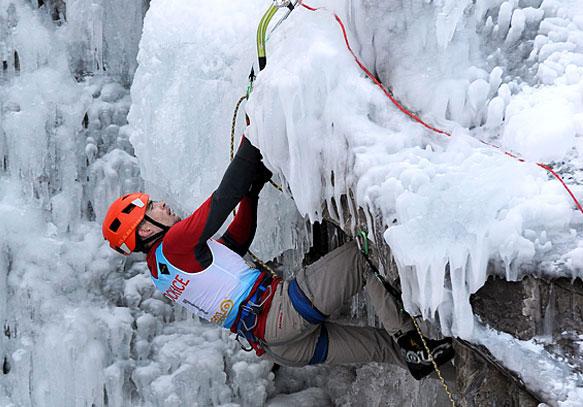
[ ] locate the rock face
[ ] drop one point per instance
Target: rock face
(479, 384)
(532, 307)
(524, 309)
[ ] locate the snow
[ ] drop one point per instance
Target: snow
(538, 368)
(310, 397)
(83, 326)
(543, 123)
(574, 259)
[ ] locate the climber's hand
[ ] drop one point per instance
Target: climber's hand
(262, 177)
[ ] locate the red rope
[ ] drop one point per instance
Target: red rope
(420, 121)
(380, 85)
(376, 81)
(309, 7)
(557, 176)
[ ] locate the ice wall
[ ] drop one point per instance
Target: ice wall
(80, 324)
(451, 204)
(193, 67)
(60, 331)
(103, 36)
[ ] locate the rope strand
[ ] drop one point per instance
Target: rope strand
(435, 367)
(231, 156)
(418, 119)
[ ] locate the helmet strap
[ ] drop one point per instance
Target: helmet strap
(156, 223)
(146, 241)
(153, 238)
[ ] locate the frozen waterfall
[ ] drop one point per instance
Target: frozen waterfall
(86, 115)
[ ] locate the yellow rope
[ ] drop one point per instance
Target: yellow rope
(262, 264)
(234, 124)
(231, 156)
(361, 234)
(435, 367)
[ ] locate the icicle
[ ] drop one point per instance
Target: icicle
(16, 62)
(96, 36)
(517, 27)
(448, 20)
(549, 313)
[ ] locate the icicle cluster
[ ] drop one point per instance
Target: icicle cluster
(452, 205)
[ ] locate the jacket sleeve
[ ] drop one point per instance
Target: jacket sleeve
(241, 231)
(191, 234)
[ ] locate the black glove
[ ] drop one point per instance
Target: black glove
(248, 151)
(262, 176)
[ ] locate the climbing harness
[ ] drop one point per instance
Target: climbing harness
(312, 315)
(249, 311)
(259, 298)
(303, 305)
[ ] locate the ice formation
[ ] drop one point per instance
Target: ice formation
(81, 326)
(451, 204)
(195, 78)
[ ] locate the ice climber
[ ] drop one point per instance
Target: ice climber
(286, 321)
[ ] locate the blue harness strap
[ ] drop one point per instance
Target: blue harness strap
(321, 351)
(310, 313)
(252, 307)
(303, 305)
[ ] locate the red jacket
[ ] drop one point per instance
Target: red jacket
(185, 244)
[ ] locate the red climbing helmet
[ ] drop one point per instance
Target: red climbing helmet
(122, 219)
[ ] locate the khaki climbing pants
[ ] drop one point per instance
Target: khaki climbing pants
(329, 283)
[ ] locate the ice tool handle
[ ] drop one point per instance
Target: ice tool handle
(264, 23)
(262, 36)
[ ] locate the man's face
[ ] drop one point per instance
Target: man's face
(160, 212)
